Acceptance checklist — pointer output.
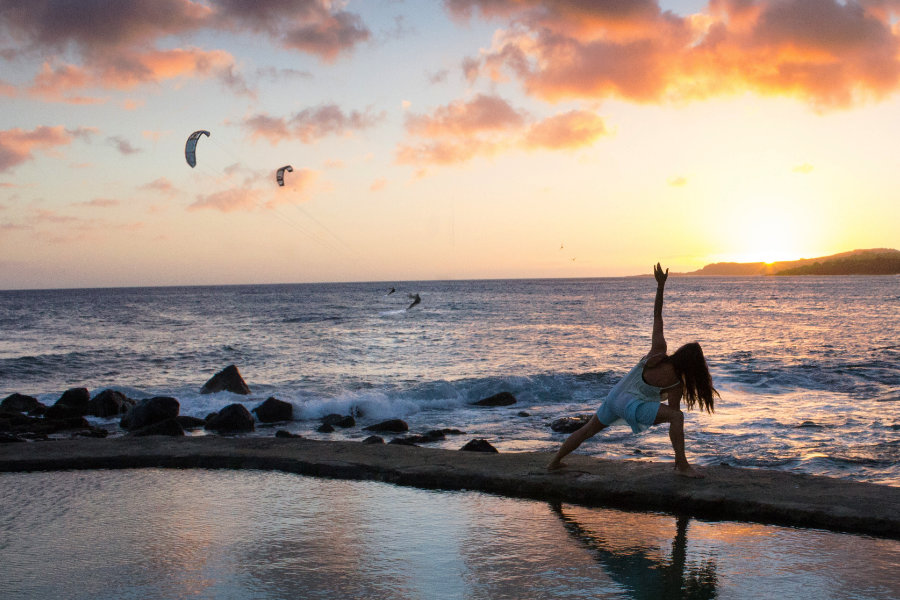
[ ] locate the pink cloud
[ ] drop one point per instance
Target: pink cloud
(311, 124)
(162, 185)
(17, 145)
(378, 185)
(573, 129)
(99, 203)
(226, 201)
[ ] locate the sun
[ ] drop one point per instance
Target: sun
(767, 230)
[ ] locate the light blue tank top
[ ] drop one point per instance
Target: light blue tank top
(631, 391)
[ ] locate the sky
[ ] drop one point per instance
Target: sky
(430, 140)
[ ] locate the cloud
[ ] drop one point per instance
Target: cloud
(487, 125)
(677, 181)
(829, 54)
(17, 145)
(162, 185)
(118, 47)
(378, 185)
(122, 145)
(228, 200)
(311, 124)
(803, 168)
(99, 203)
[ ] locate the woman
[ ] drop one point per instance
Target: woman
(658, 377)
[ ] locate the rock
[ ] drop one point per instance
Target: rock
(150, 411)
(479, 445)
(432, 436)
(522, 413)
(501, 399)
(392, 425)
(73, 403)
(569, 424)
(373, 439)
(339, 420)
(21, 403)
(93, 432)
(228, 379)
(8, 438)
(274, 410)
(187, 422)
(325, 428)
(169, 427)
(450, 431)
(234, 418)
(404, 441)
(281, 433)
(109, 403)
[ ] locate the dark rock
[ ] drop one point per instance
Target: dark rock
(448, 431)
(170, 427)
(8, 438)
(569, 424)
(211, 415)
(404, 441)
(373, 439)
(501, 399)
(62, 411)
(432, 436)
(479, 445)
(187, 422)
(392, 425)
(522, 413)
(234, 418)
(5, 424)
(109, 403)
(77, 398)
(150, 411)
(228, 379)
(339, 421)
(325, 428)
(20, 403)
(93, 432)
(274, 410)
(70, 423)
(810, 425)
(281, 433)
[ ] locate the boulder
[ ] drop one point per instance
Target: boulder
(150, 411)
(479, 445)
(432, 436)
(325, 428)
(501, 399)
(234, 418)
(522, 413)
(274, 410)
(170, 427)
(391, 425)
(21, 403)
(228, 379)
(281, 433)
(73, 402)
(373, 439)
(337, 420)
(187, 422)
(405, 441)
(569, 424)
(63, 411)
(109, 403)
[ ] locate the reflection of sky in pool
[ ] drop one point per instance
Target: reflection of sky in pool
(247, 534)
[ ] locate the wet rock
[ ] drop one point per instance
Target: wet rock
(281, 433)
(9, 438)
(479, 445)
(93, 432)
(391, 425)
(432, 436)
(501, 399)
(21, 403)
(810, 425)
(109, 403)
(522, 413)
(228, 379)
(569, 424)
(73, 403)
(450, 431)
(62, 411)
(150, 411)
(404, 441)
(234, 418)
(170, 427)
(373, 439)
(341, 421)
(274, 410)
(187, 422)
(325, 428)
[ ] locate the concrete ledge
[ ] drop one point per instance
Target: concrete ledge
(726, 493)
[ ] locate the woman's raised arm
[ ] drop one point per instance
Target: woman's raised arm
(658, 341)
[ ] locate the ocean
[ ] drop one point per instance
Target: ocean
(808, 368)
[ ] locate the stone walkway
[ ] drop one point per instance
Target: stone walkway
(726, 493)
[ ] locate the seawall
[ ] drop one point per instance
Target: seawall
(726, 493)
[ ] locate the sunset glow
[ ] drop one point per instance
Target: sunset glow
(440, 140)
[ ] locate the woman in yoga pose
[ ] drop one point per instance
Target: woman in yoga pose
(651, 392)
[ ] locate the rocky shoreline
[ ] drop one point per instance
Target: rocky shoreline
(726, 493)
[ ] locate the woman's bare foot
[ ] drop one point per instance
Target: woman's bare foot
(555, 465)
(689, 471)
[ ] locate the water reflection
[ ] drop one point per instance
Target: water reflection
(643, 570)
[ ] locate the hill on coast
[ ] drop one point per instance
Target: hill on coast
(874, 261)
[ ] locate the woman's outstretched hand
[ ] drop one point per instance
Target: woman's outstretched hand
(659, 275)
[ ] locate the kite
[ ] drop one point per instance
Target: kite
(279, 176)
(190, 148)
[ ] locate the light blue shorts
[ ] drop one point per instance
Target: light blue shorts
(639, 414)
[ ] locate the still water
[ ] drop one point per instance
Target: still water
(249, 534)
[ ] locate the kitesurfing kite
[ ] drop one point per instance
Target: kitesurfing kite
(190, 148)
(279, 176)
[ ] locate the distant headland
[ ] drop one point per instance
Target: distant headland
(874, 261)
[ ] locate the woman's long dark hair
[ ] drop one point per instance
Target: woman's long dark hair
(690, 366)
